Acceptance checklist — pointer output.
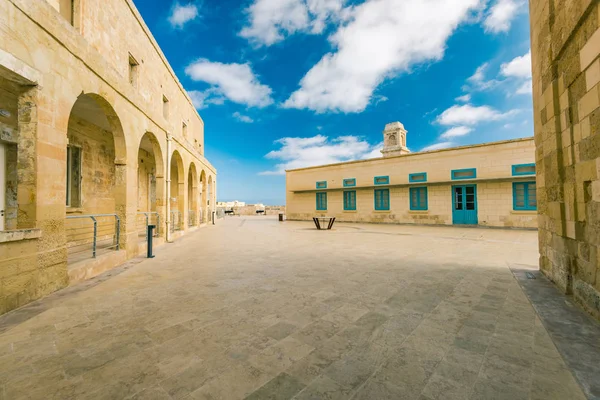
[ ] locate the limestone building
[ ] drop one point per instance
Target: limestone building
(491, 184)
(98, 139)
(565, 50)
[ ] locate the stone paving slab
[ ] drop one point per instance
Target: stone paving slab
(253, 308)
(575, 333)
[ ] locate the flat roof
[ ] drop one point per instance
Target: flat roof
(471, 146)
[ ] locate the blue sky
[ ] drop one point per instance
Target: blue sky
(293, 83)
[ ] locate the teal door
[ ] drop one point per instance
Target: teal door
(464, 204)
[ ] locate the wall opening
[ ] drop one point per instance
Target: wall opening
(165, 110)
(133, 71)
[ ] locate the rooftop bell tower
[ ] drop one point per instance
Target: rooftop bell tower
(394, 140)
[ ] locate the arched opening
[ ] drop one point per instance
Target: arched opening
(192, 196)
(392, 140)
(150, 185)
(203, 207)
(177, 192)
(96, 184)
(209, 198)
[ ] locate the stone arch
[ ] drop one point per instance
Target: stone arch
(177, 191)
(392, 140)
(210, 196)
(203, 205)
(192, 195)
(96, 178)
(150, 182)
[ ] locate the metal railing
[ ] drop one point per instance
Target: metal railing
(176, 221)
(192, 218)
(143, 220)
(91, 234)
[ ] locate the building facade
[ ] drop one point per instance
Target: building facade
(565, 50)
(98, 140)
(492, 184)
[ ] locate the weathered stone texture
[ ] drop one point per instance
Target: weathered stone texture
(494, 183)
(66, 82)
(565, 44)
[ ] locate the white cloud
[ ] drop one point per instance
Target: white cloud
(500, 16)
(180, 15)
(271, 20)
(242, 118)
(381, 39)
(456, 132)
(201, 99)
(470, 115)
(438, 146)
(518, 67)
(375, 152)
(478, 82)
(236, 82)
(525, 88)
(465, 98)
(318, 150)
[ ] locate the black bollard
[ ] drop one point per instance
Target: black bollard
(150, 237)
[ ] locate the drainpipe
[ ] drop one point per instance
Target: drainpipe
(168, 180)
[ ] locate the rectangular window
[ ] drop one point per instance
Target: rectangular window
(184, 129)
(321, 201)
(73, 176)
(322, 185)
(469, 173)
(165, 107)
(133, 71)
(381, 180)
(524, 196)
(418, 177)
(523, 169)
(382, 199)
(350, 182)
(418, 198)
(350, 200)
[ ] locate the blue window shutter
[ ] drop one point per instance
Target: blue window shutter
(524, 196)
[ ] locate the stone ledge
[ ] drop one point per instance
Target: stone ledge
(20, 234)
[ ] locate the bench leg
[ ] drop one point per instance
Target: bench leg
(331, 221)
(316, 221)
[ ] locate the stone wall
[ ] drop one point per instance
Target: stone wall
(565, 45)
(493, 162)
(54, 64)
(97, 166)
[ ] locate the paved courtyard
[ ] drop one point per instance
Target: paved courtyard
(253, 308)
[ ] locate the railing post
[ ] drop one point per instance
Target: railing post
(94, 238)
(118, 231)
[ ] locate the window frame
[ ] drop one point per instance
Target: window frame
(133, 70)
(68, 186)
(516, 166)
(384, 177)
(381, 207)
(349, 182)
(319, 199)
(321, 185)
(421, 191)
(458, 178)
(526, 206)
(352, 205)
(412, 177)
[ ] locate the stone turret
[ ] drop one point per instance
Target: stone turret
(394, 140)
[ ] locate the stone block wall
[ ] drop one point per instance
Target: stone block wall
(565, 46)
(55, 64)
(493, 162)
